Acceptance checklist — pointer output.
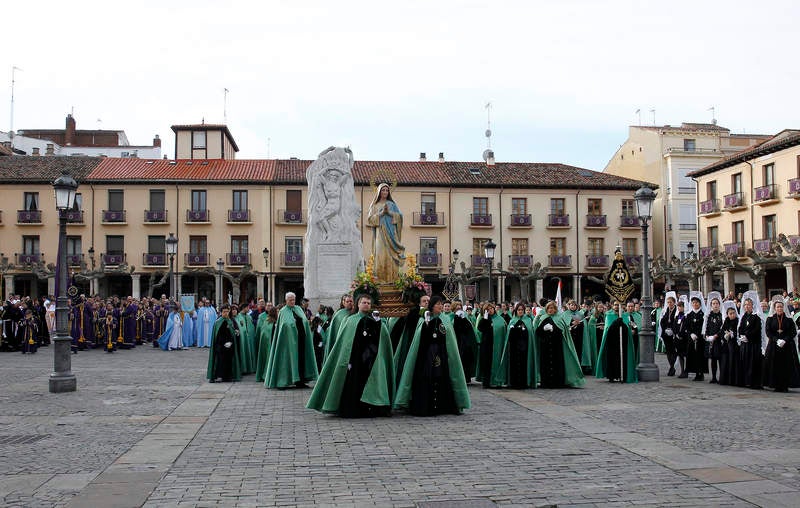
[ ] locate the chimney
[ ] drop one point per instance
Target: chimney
(490, 158)
(441, 156)
(422, 157)
(50, 149)
(156, 142)
(35, 152)
(69, 132)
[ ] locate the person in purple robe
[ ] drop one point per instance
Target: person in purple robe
(128, 323)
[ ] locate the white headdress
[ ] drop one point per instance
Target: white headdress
(711, 296)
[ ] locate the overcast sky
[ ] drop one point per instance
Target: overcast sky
(392, 79)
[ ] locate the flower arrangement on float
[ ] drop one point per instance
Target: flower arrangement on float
(410, 282)
(366, 283)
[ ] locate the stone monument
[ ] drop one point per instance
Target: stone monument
(333, 250)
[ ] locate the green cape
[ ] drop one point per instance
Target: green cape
(247, 359)
(333, 329)
(589, 351)
(573, 375)
(282, 367)
(533, 357)
(403, 346)
(263, 338)
(237, 373)
(659, 347)
(631, 359)
(457, 381)
(499, 335)
(379, 390)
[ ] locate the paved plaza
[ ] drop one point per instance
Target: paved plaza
(145, 429)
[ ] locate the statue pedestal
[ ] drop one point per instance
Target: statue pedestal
(391, 302)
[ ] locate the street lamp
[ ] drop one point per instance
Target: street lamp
(265, 252)
(488, 251)
(647, 368)
(62, 379)
(454, 259)
(690, 249)
(220, 266)
(91, 256)
(172, 248)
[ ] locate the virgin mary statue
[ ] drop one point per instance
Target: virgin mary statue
(387, 221)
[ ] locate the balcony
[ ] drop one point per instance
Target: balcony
(196, 259)
(480, 220)
(794, 188)
(237, 258)
(112, 259)
(687, 227)
(707, 252)
(429, 260)
(709, 207)
(27, 217)
(478, 260)
(428, 219)
(599, 261)
(733, 202)
(765, 195)
(763, 246)
(198, 217)
(519, 260)
(596, 221)
(628, 221)
(29, 259)
(239, 217)
(155, 216)
(521, 220)
(113, 217)
(155, 259)
(735, 249)
(292, 259)
(794, 240)
(74, 259)
(632, 260)
(557, 221)
(560, 261)
(685, 150)
(291, 217)
(74, 216)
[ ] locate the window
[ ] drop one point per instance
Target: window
(30, 244)
(158, 200)
(198, 139)
(687, 216)
(519, 206)
(595, 206)
(519, 246)
(240, 200)
(199, 200)
(294, 200)
(239, 245)
(770, 227)
(73, 246)
(116, 200)
(628, 208)
(78, 204)
(713, 236)
(736, 183)
(769, 174)
(558, 246)
(198, 245)
(689, 145)
(427, 246)
(156, 245)
(557, 206)
(596, 247)
(738, 231)
(629, 247)
(428, 204)
(294, 245)
(711, 190)
(115, 245)
(480, 206)
(478, 245)
(31, 201)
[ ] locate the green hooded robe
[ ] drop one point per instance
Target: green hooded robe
(631, 358)
(338, 318)
(659, 346)
(247, 360)
(456, 371)
(283, 369)
(403, 346)
(533, 357)
(573, 375)
(499, 344)
(379, 390)
(264, 331)
(589, 352)
(237, 373)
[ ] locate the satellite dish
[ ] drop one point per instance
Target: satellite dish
(488, 133)
(486, 154)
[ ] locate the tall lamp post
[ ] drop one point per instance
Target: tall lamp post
(647, 368)
(172, 249)
(265, 252)
(488, 252)
(62, 379)
(220, 266)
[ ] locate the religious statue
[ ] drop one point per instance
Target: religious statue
(387, 222)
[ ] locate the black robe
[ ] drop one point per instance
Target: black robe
(432, 391)
(467, 344)
(728, 351)
(781, 365)
(695, 348)
(713, 329)
(27, 332)
(362, 358)
(551, 354)
(576, 331)
(615, 363)
(518, 355)
(486, 350)
(669, 321)
(225, 356)
(750, 361)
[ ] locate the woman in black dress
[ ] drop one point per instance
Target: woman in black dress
(728, 346)
(751, 360)
(711, 333)
(781, 365)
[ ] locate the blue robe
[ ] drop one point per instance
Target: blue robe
(206, 317)
(188, 328)
(163, 341)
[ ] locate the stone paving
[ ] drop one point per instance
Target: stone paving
(145, 429)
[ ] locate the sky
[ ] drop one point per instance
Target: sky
(393, 79)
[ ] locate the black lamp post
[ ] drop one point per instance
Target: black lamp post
(62, 379)
(265, 252)
(172, 249)
(488, 251)
(690, 249)
(220, 266)
(454, 259)
(647, 368)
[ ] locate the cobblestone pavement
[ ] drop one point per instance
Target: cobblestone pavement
(145, 429)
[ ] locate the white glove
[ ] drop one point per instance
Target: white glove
(376, 315)
(781, 342)
(728, 334)
(427, 316)
(460, 313)
(486, 315)
(548, 327)
(693, 336)
(742, 339)
(669, 332)
(319, 344)
(228, 344)
(319, 329)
